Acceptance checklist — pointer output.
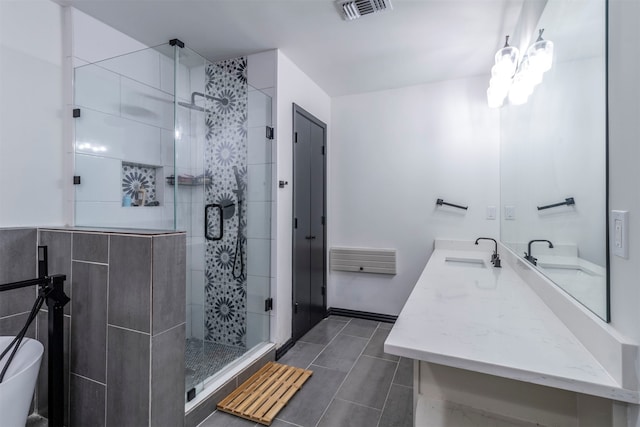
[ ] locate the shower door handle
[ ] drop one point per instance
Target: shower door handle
(207, 209)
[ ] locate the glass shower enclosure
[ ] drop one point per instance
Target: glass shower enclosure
(165, 139)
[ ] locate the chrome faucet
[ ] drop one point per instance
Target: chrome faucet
(530, 257)
(495, 257)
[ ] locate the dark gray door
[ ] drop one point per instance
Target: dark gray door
(309, 237)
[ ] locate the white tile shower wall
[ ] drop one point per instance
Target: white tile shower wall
(257, 292)
(146, 104)
(257, 328)
(129, 130)
(142, 66)
(259, 220)
(197, 321)
(197, 245)
(394, 153)
(197, 286)
(112, 214)
(142, 100)
(258, 255)
(259, 148)
(100, 174)
(31, 100)
(111, 136)
(98, 89)
(259, 109)
(260, 183)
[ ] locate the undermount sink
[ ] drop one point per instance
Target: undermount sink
(565, 270)
(465, 262)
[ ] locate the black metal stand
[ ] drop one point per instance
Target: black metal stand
(56, 300)
(51, 288)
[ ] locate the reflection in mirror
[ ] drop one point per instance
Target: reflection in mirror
(553, 158)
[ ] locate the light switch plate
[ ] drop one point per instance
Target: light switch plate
(619, 233)
(491, 212)
(510, 212)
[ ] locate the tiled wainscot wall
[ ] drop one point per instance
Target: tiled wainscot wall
(124, 326)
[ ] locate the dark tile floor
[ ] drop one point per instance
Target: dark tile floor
(354, 383)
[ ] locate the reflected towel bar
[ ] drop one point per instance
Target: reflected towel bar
(441, 202)
(568, 201)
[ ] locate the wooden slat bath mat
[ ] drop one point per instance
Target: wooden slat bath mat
(265, 393)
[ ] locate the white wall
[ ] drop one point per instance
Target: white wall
(262, 77)
(393, 154)
(31, 111)
(624, 173)
(293, 86)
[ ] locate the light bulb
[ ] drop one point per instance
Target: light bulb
(506, 60)
(520, 90)
(500, 85)
(529, 73)
(540, 54)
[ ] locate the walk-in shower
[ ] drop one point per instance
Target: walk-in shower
(165, 139)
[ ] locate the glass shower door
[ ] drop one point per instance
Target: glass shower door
(230, 218)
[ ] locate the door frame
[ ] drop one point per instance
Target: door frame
(296, 109)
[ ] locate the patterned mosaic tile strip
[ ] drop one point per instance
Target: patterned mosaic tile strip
(226, 165)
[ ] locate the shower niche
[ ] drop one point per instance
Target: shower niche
(139, 185)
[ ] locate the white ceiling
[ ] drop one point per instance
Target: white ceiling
(418, 41)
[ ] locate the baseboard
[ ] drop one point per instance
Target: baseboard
(387, 318)
(282, 350)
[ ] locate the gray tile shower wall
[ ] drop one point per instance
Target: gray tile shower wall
(130, 280)
(17, 262)
(124, 356)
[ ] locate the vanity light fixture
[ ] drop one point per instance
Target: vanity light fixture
(540, 54)
(515, 78)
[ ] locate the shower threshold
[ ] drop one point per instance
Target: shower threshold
(204, 359)
(228, 372)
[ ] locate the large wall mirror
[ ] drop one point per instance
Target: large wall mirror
(553, 158)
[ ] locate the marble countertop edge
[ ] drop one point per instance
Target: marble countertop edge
(611, 391)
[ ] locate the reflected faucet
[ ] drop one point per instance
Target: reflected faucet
(495, 258)
(530, 257)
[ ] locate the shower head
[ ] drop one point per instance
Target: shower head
(193, 105)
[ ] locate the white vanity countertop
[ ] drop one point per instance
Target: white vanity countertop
(489, 320)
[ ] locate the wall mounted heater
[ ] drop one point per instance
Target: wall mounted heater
(363, 260)
(354, 9)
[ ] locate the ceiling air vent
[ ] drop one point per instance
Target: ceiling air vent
(354, 9)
